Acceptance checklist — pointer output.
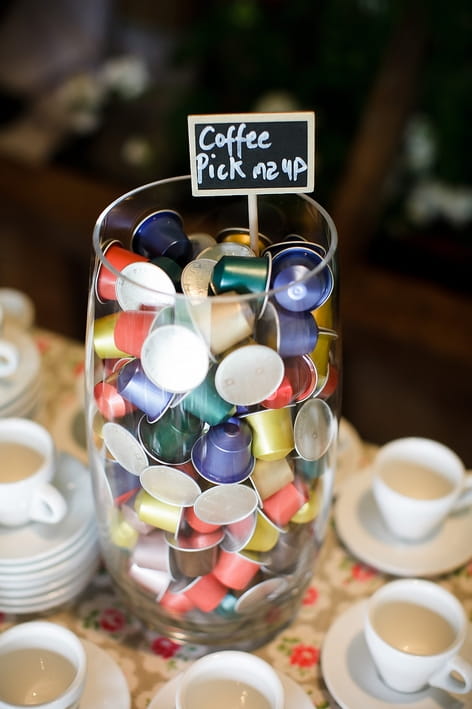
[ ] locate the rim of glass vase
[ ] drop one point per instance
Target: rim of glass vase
(325, 260)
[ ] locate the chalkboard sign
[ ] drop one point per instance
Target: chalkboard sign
(252, 153)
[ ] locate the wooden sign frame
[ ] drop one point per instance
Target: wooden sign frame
(252, 153)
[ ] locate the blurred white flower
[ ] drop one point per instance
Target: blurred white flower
(136, 151)
(432, 199)
(276, 101)
(127, 76)
(420, 148)
(75, 104)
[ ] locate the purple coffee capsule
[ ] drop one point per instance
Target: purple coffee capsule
(301, 279)
(134, 386)
(223, 454)
(289, 333)
(161, 234)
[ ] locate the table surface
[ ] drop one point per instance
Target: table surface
(149, 660)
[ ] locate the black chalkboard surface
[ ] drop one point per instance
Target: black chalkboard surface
(252, 153)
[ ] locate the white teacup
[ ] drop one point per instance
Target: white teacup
(417, 483)
(414, 630)
(230, 678)
(27, 465)
(41, 663)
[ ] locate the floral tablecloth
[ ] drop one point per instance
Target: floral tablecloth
(147, 659)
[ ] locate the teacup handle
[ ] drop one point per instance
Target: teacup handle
(444, 678)
(465, 498)
(48, 505)
(8, 358)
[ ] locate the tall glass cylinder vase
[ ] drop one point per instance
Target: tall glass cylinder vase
(212, 377)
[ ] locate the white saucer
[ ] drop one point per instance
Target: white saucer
(353, 681)
(25, 377)
(105, 687)
(295, 697)
(47, 601)
(32, 544)
(349, 453)
(361, 529)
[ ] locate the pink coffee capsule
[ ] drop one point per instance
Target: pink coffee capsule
(131, 329)
(198, 524)
(109, 402)
(177, 603)
(118, 257)
(206, 592)
(282, 505)
(235, 571)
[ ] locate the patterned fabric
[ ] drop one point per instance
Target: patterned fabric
(147, 659)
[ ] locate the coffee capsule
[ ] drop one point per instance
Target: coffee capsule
(223, 454)
(315, 428)
(161, 234)
(272, 432)
(249, 374)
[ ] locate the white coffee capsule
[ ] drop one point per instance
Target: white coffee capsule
(144, 284)
(125, 448)
(175, 358)
(225, 504)
(249, 374)
(170, 485)
(314, 429)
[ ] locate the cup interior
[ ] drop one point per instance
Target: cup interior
(419, 469)
(41, 663)
(28, 447)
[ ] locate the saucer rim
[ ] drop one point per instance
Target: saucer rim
(375, 552)
(121, 695)
(344, 629)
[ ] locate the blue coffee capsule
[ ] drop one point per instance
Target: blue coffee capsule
(223, 454)
(134, 386)
(161, 234)
(300, 279)
(290, 333)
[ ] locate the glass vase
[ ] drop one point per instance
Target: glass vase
(212, 397)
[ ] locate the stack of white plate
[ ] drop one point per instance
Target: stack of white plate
(43, 566)
(20, 391)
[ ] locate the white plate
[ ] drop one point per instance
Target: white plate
(51, 565)
(105, 687)
(361, 529)
(47, 601)
(35, 542)
(295, 697)
(353, 681)
(47, 564)
(19, 587)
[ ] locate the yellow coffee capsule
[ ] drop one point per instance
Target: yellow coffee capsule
(265, 535)
(272, 433)
(157, 513)
(121, 532)
(309, 510)
(104, 337)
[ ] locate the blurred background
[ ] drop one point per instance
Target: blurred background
(94, 100)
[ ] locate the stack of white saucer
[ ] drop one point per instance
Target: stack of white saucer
(44, 566)
(20, 391)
